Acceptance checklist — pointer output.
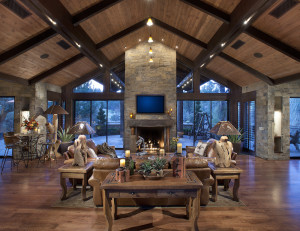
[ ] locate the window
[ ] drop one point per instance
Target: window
(50, 116)
(90, 86)
(117, 78)
(213, 87)
(196, 118)
(106, 118)
(184, 78)
(7, 105)
(294, 127)
(249, 125)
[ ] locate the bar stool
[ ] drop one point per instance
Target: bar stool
(47, 147)
(11, 141)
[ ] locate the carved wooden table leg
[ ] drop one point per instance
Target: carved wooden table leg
(188, 208)
(215, 190)
(107, 211)
(195, 203)
(236, 189)
(63, 185)
(83, 189)
(114, 207)
(226, 185)
(74, 182)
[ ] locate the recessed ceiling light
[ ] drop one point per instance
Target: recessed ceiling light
(51, 20)
(110, 74)
(44, 56)
(223, 44)
(162, 40)
(247, 20)
(258, 55)
(211, 56)
(112, 80)
(125, 47)
(202, 65)
(176, 47)
(77, 44)
(140, 40)
(100, 65)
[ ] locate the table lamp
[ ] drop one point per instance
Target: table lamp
(82, 128)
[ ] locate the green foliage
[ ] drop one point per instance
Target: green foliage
(101, 117)
(64, 135)
(146, 167)
(158, 164)
(237, 138)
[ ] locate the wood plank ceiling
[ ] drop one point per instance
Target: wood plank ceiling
(106, 29)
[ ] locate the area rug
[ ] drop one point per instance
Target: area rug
(75, 201)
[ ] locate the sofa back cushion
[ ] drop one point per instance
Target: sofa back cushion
(91, 144)
(107, 163)
(195, 162)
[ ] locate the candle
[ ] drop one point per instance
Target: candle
(122, 163)
(179, 147)
(39, 130)
(162, 151)
(127, 153)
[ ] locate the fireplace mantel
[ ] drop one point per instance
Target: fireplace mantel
(151, 123)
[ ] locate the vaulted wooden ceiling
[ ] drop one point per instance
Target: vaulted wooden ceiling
(97, 33)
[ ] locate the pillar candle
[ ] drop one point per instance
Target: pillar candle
(127, 153)
(122, 163)
(179, 147)
(162, 151)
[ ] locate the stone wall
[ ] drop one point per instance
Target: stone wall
(142, 77)
(265, 105)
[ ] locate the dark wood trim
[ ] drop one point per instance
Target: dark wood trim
(228, 32)
(203, 96)
(117, 61)
(54, 96)
(14, 79)
(55, 69)
(121, 34)
(179, 33)
(98, 96)
(26, 45)
(93, 10)
(274, 43)
(182, 59)
(208, 9)
(287, 79)
(248, 96)
(247, 68)
(218, 78)
(64, 26)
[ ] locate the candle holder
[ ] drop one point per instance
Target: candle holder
(120, 175)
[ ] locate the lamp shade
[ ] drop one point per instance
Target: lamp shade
(82, 128)
(224, 128)
(56, 109)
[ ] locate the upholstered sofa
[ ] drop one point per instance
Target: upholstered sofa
(103, 166)
(69, 154)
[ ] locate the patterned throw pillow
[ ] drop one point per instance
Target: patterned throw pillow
(199, 150)
(92, 153)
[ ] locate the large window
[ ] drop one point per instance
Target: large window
(213, 87)
(90, 86)
(7, 105)
(106, 117)
(295, 127)
(196, 118)
(249, 125)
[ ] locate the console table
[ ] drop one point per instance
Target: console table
(75, 172)
(188, 187)
(225, 174)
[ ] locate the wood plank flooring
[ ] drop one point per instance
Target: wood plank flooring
(270, 189)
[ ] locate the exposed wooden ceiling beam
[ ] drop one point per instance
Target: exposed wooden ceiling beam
(121, 34)
(250, 70)
(184, 60)
(287, 79)
(93, 10)
(274, 43)
(55, 69)
(26, 45)
(208, 9)
(55, 11)
(179, 33)
(14, 79)
(117, 60)
(246, 11)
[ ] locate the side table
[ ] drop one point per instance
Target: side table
(225, 174)
(75, 172)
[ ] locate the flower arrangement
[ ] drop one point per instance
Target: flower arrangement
(173, 143)
(30, 124)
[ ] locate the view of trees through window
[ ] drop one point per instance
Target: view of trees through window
(106, 118)
(295, 127)
(213, 87)
(7, 105)
(196, 118)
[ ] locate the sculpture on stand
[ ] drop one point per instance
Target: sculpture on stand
(224, 147)
(141, 143)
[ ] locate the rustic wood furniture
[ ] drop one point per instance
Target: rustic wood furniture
(225, 174)
(188, 187)
(75, 172)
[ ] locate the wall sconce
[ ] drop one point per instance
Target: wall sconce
(131, 116)
(170, 111)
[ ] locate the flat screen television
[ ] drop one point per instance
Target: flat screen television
(150, 104)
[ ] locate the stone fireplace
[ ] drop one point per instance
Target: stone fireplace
(144, 78)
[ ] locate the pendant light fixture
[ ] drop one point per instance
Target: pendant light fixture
(150, 40)
(149, 22)
(150, 51)
(150, 60)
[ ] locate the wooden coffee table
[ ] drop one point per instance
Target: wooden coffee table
(168, 187)
(225, 174)
(75, 172)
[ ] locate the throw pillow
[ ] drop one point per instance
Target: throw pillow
(199, 150)
(91, 153)
(105, 149)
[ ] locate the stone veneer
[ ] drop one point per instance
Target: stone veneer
(142, 77)
(265, 102)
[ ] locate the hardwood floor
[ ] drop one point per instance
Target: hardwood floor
(270, 189)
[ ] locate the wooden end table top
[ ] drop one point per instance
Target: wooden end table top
(137, 182)
(229, 170)
(76, 169)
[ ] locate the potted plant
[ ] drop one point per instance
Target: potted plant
(158, 165)
(173, 143)
(146, 168)
(66, 139)
(237, 140)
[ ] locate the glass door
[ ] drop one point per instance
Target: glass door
(7, 105)
(295, 127)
